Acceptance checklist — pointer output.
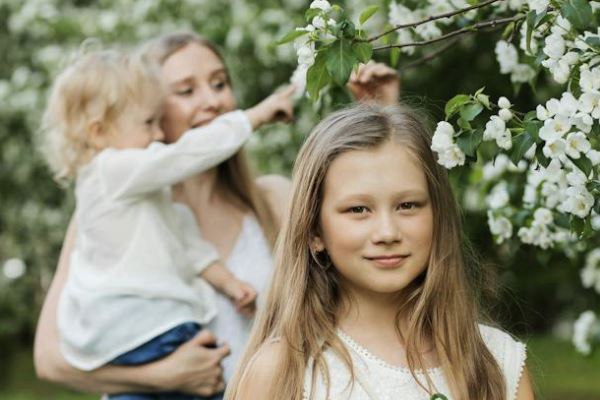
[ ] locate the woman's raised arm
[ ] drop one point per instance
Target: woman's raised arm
(193, 368)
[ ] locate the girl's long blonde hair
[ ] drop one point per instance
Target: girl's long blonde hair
(234, 175)
(301, 308)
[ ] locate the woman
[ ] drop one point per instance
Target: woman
(238, 215)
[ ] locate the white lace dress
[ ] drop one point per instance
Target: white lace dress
(378, 380)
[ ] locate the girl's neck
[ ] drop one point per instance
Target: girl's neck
(377, 311)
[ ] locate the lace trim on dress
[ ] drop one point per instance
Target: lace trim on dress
(361, 351)
(522, 354)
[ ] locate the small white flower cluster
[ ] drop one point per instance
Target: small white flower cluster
(585, 329)
(494, 169)
(449, 154)
(305, 45)
(495, 128)
(560, 117)
(500, 227)
(539, 233)
(557, 49)
(13, 268)
(590, 274)
(401, 15)
(508, 58)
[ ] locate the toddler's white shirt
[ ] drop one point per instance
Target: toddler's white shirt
(136, 252)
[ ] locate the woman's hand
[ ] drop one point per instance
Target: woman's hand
(193, 368)
(375, 82)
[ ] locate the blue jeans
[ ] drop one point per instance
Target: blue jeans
(156, 348)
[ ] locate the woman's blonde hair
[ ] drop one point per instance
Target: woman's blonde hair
(304, 299)
(234, 175)
(97, 86)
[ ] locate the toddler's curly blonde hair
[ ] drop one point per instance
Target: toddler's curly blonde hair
(97, 86)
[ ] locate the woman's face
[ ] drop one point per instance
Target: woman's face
(198, 90)
(376, 219)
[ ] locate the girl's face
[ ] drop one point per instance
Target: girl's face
(376, 219)
(199, 90)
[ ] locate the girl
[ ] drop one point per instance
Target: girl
(136, 253)
(370, 298)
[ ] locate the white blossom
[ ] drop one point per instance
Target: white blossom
(507, 56)
(499, 197)
(589, 102)
(442, 137)
(13, 268)
(578, 201)
(503, 102)
(505, 114)
(321, 5)
(500, 227)
(538, 5)
(451, 157)
(319, 23)
(554, 148)
(590, 274)
(555, 128)
(522, 73)
(577, 143)
(584, 329)
(494, 128)
(594, 156)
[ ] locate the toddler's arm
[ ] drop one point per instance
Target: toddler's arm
(129, 172)
(241, 293)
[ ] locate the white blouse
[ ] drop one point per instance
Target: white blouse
(378, 380)
(136, 252)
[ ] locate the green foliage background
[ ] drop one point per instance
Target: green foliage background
(37, 38)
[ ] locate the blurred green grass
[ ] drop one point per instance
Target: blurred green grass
(557, 371)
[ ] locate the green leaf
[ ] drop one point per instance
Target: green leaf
(347, 29)
(454, 104)
(593, 41)
(542, 159)
(470, 111)
(530, 26)
(340, 60)
(438, 396)
(584, 164)
(367, 13)
(394, 56)
(533, 128)
(311, 13)
(363, 51)
(578, 12)
(562, 220)
(521, 143)
(464, 124)
(531, 115)
(317, 76)
(469, 142)
(290, 36)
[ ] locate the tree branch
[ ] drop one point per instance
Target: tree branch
(429, 56)
(468, 29)
(432, 18)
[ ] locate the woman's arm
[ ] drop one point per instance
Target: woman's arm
(192, 368)
(375, 82)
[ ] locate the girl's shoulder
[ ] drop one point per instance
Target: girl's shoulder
(262, 368)
(510, 354)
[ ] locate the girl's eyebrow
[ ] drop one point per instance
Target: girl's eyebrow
(190, 78)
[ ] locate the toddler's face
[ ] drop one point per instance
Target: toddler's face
(137, 127)
(376, 219)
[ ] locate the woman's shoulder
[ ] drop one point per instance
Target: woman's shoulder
(509, 352)
(276, 189)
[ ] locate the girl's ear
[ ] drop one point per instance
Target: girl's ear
(97, 135)
(316, 244)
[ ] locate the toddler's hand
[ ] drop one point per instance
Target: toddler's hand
(243, 296)
(276, 107)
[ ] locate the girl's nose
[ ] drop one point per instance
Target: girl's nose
(387, 229)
